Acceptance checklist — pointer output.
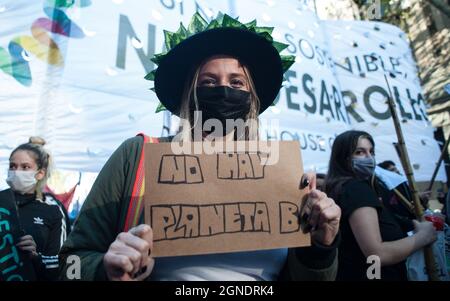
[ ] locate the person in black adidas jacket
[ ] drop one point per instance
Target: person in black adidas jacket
(42, 218)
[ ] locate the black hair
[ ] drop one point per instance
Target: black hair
(340, 168)
(386, 164)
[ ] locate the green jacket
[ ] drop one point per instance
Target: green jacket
(103, 215)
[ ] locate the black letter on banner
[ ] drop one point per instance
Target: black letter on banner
(313, 143)
(370, 63)
(126, 30)
(413, 104)
(291, 90)
(349, 107)
(291, 43)
(348, 68)
(399, 103)
(309, 46)
(311, 109)
(338, 104)
(323, 105)
(376, 89)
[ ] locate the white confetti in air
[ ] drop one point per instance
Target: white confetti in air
(266, 17)
(110, 71)
(136, 43)
(74, 109)
(291, 25)
(89, 33)
(157, 15)
(209, 12)
(275, 110)
(25, 56)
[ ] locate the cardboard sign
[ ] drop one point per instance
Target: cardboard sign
(227, 201)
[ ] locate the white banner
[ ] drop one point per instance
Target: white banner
(74, 74)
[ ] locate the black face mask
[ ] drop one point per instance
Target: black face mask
(223, 103)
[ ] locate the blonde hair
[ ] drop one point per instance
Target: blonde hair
(43, 159)
(189, 100)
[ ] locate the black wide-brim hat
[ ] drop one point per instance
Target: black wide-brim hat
(253, 50)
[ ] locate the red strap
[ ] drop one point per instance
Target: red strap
(136, 204)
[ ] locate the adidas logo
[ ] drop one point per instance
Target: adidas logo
(38, 221)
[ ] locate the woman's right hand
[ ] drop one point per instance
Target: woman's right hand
(129, 256)
(425, 232)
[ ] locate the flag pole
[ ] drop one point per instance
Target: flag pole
(444, 151)
(406, 163)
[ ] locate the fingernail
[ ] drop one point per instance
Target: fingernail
(141, 271)
(304, 183)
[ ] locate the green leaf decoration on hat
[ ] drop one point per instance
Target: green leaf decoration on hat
(160, 108)
(199, 24)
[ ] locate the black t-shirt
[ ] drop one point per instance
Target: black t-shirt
(352, 262)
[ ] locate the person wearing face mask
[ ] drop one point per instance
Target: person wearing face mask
(368, 228)
(42, 219)
(228, 73)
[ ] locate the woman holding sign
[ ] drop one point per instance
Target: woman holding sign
(228, 71)
(371, 234)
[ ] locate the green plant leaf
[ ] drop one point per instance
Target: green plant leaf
(182, 31)
(158, 57)
(267, 36)
(213, 24)
(279, 46)
(263, 29)
(151, 75)
(168, 37)
(230, 22)
(197, 24)
(251, 24)
(287, 61)
(160, 108)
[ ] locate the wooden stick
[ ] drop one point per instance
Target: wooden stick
(404, 158)
(405, 202)
(436, 169)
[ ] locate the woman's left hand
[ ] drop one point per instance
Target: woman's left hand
(320, 214)
(26, 243)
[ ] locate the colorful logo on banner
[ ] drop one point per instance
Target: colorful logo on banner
(15, 60)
